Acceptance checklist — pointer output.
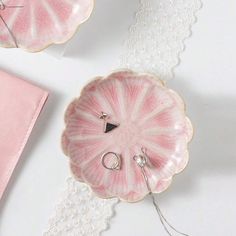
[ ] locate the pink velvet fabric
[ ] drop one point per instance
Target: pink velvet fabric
(20, 105)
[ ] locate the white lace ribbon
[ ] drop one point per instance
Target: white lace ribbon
(157, 38)
(80, 212)
(154, 44)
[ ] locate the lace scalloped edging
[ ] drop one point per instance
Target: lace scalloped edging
(158, 36)
(80, 212)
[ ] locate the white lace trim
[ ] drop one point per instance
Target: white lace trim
(80, 212)
(157, 38)
(154, 44)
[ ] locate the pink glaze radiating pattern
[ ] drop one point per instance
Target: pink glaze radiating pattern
(149, 116)
(35, 24)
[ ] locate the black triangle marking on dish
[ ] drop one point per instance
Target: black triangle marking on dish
(109, 127)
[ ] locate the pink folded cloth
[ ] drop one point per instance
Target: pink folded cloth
(20, 105)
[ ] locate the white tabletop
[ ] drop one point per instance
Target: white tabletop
(201, 200)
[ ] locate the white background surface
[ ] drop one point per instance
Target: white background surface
(201, 200)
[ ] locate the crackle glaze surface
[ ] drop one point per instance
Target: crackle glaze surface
(35, 24)
(150, 116)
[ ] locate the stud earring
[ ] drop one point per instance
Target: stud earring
(107, 125)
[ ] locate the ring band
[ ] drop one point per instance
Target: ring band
(116, 165)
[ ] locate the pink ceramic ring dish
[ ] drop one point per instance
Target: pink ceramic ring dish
(35, 24)
(149, 115)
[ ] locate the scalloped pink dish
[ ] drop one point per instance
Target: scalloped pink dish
(35, 24)
(148, 115)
